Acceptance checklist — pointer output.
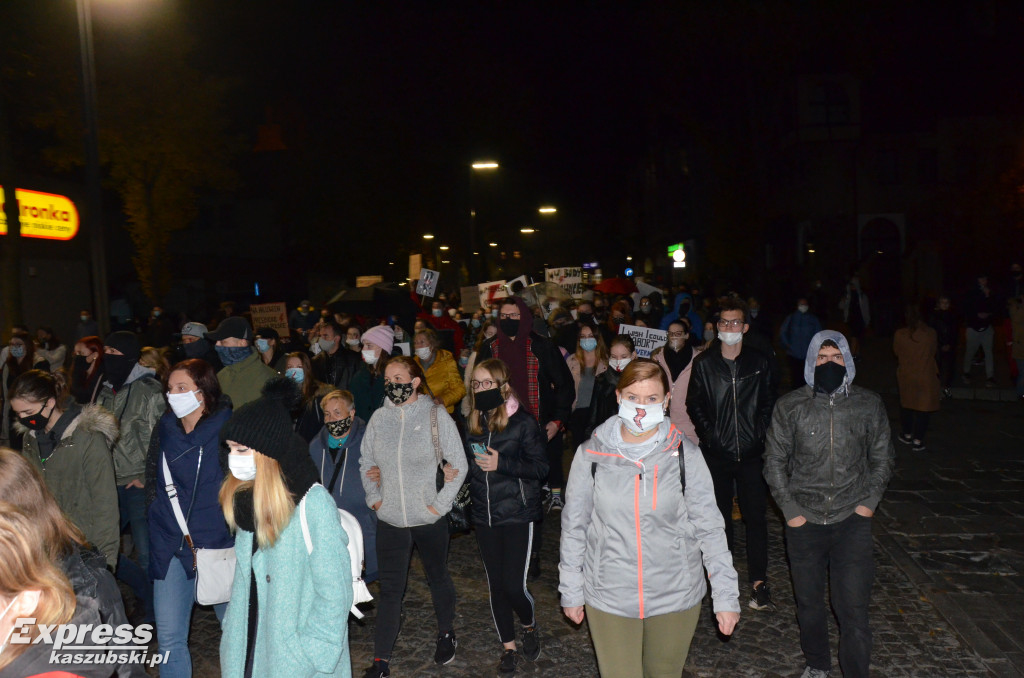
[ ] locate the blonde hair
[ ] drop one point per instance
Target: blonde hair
(155, 359)
(272, 503)
(27, 567)
(497, 418)
(338, 394)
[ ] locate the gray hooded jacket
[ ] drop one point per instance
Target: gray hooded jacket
(632, 544)
(826, 454)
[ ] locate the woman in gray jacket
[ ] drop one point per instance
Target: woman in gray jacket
(404, 441)
(639, 525)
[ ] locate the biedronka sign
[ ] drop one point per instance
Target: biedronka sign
(42, 215)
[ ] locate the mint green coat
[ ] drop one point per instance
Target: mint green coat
(303, 599)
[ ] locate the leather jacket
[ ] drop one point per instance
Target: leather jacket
(731, 413)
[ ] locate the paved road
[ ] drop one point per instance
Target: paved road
(948, 599)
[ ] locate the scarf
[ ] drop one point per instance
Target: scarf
(677, 360)
(522, 364)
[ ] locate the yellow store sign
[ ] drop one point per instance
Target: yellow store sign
(42, 215)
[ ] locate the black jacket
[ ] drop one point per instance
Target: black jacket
(336, 370)
(554, 380)
(731, 415)
(510, 495)
(603, 402)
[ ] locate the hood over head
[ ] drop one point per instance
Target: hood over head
(525, 319)
(680, 298)
(812, 355)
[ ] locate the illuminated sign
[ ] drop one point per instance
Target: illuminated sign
(42, 215)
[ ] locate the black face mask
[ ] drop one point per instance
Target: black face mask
(398, 393)
(37, 421)
(485, 401)
(586, 318)
(196, 349)
(81, 364)
(339, 429)
(509, 327)
(117, 368)
(829, 377)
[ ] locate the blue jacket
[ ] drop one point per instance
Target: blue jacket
(348, 490)
(203, 514)
(796, 332)
(696, 324)
(303, 599)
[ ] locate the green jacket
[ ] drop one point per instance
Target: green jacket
(137, 406)
(80, 474)
(242, 382)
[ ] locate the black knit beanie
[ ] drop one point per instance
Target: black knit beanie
(265, 424)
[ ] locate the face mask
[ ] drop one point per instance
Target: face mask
(676, 344)
(436, 312)
(573, 314)
(242, 466)
(117, 368)
(586, 318)
(84, 318)
(399, 334)
(485, 401)
(641, 419)
(803, 308)
(352, 342)
(423, 353)
(229, 355)
(684, 309)
(37, 421)
(18, 352)
(156, 314)
(708, 335)
(295, 374)
(262, 345)
(730, 338)
(829, 377)
(463, 361)
(325, 345)
(494, 313)
(646, 308)
(339, 429)
(588, 343)
(619, 364)
(509, 327)
(753, 312)
(369, 356)
(196, 349)
(81, 363)
(618, 319)
(475, 322)
(398, 393)
(183, 404)
(451, 312)
(303, 313)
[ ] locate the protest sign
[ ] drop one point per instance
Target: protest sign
(470, 299)
(368, 280)
(427, 284)
(491, 292)
(569, 278)
(274, 316)
(646, 339)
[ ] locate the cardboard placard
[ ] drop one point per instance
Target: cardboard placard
(569, 278)
(415, 264)
(427, 284)
(368, 280)
(470, 299)
(491, 292)
(646, 339)
(274, 316)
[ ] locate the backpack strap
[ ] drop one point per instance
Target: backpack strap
(682, 469)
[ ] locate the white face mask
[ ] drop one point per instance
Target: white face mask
(183, 404)
(325, 345)
(730, 338)
(423, 353)
(803, 308)
(641, 419)
(618, 364)
(369, 356)
(352, 342)
(242, 466)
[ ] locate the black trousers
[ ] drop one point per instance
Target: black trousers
(752, 493)
(914, 423)
(505, 551)
(394, 551)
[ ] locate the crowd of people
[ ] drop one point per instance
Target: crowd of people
(195, 437)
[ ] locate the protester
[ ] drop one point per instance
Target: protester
(683, 308)
(586, 365)
(154, 359)
(367, 384)
(442, 373)
(336, 451)
(353, 338)
(194, 344)
(334, 365)
(795, 335)
(302, 318)
(487, 330)
(648, 313)
(20, 359)
(856, 313)
(730, 400)
(49, 348)
(509, 464)
(87, 326)
(439, 320)
(87, 370)
(292, 589)
(244, 373)
(268, 345)
(635, 545)
(676, 358)
(186, 444)
(621, 314)
(979, 316)
(944, 322)
(399, 441)
(70, 446)
(915, 347)
(159, 329)
(604, 402)
(308, 415)
(827, 488)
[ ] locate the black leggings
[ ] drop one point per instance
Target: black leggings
(914, 423)
(505, 551)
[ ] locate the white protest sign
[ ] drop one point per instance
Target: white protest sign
(569, 278)
(646, 339)
(491, 292)
(427, 284)
(403, 346)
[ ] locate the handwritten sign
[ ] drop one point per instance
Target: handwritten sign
(427, 284)
(491, 292)
(646, 339)
(274, 316)
(569, 278)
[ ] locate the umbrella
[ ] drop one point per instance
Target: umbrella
(539, 294)
(380, 300)
(616, 286)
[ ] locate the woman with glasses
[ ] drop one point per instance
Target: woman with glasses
(509, 454)
(676, 358)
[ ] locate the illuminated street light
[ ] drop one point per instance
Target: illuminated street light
(444, 247)
(428, 236)
(527, 230)
(493, 244)
(485, 165)
(629, 258)
(547, 210)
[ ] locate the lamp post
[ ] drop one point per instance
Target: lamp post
(474, 257)
(92, 168)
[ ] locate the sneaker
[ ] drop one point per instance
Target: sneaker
(531, 643)
(905, 439)
(918, 446)
(378, 670)
(947, 394)
(446, 644)
(533, 570)
(761, 597)
(555, 503)
(813, 673)
(509, 661)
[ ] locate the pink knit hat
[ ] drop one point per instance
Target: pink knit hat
(382, 336)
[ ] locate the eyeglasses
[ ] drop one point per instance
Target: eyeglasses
(485, 384)
(730, 323)
(676, 335)
(509, 316)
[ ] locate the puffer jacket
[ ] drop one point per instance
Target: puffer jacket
(137, 406)
(633, 543)
(827, 454)
(443, 379)
(80, 475)
(730, 416)
(510, 495)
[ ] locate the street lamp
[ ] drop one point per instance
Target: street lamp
(478, 166)
(428, 236)
(527, 230)
(485, 165)
(547, 210)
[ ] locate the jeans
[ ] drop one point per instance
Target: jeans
(752, 493)
(394, 549)
(976, 339)
(505, 551)
(174, 597)
(841, 553)
(914, 423)
(131, 502)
